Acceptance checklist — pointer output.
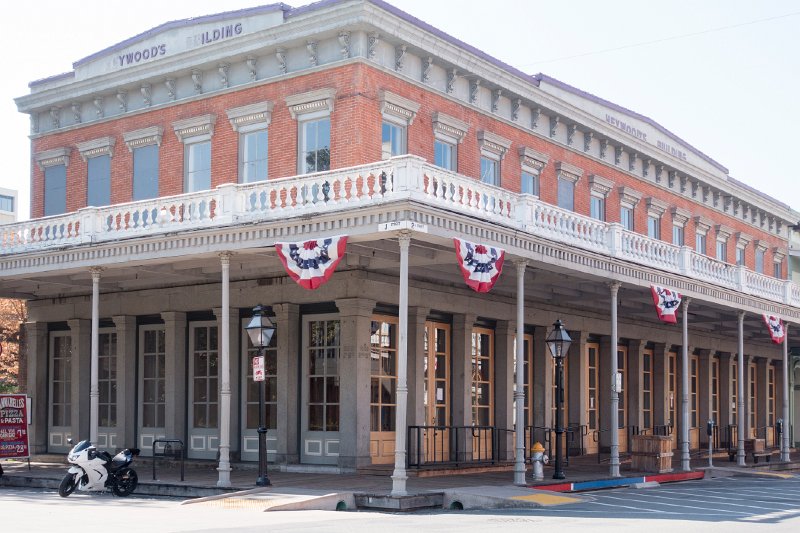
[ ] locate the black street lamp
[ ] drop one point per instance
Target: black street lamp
(558, 341)
(260, 330)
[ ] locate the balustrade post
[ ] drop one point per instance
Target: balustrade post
(787, 292)
(408, 174)
(614, 239)
(685, 260)
(226, 203)
(89, 224)
(526, 205)
(740, 278)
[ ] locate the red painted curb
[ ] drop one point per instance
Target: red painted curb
(683, 476)
(561, 487)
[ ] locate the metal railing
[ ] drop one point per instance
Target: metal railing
(624, 448)
(573, 438)
(169, 449)
(438, 445)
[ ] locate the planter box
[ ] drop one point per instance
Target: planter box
(651, 453)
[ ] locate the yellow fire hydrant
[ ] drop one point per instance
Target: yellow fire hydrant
(538, 459)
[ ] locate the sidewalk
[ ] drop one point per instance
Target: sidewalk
(201, 480)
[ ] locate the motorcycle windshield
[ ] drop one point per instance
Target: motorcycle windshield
(82, 445)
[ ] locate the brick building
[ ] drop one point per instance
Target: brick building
(166, 167)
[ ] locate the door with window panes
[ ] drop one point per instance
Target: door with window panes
(152, 398)
(203, 390)
(752, 400)
(250, 396)
(622, 412)
(592, 397)
(694, 422)
(482, 356)
(60, 419)
(107, 384)
(436, 398)
(383, 389)
(320, 389)
(672, 396)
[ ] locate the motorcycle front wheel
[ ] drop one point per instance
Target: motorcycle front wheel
(68, 485)
(125, 482)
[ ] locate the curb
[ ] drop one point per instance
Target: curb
(619, 482)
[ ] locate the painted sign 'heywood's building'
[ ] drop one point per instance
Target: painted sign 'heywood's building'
(166, 168)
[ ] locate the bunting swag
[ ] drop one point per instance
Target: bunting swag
(775, 327)
(666, 302)
(311, 263)
(481, 265)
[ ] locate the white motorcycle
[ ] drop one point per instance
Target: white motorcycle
(97, 470)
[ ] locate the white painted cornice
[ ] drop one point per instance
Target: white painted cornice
(96, 147)
(143, 137)
(600, 185)
(259, 114)
(311, 102)
(49, 158)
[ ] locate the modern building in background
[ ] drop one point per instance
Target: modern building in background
(168, 166)
(8, 205)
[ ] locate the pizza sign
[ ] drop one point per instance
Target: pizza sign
(258, 368)
(14, 426)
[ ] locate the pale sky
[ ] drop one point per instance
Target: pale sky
(723, 75)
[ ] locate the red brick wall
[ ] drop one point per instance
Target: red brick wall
(355, 139)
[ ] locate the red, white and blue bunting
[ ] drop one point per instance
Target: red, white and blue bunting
(666, 302)
(775, 326)
(481, 265)
(311, 263)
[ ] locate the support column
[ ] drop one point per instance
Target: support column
(741, 422)
(635, 392)
(416, 366)
(614, 408)
(685, 458)
(399, 476)
(785, 396)
(704, 396)
(542, 400)
(126, 380)
(175, 374)
(661, 410)
(748, 413)
(36, 348)
(578, 387)
(519, 384)
(462, 369)
(94, 384)
(762, 396)
(287, 320)
(224, 318)
(724, 391)
(81, 367)
(354, 392)
(504, 380)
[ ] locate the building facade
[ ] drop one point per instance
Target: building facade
(8, 205)
(166, 167)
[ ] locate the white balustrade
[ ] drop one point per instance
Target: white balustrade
(398, 178)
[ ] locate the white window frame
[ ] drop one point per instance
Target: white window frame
(194, 131)
(398, 112)
(567, 173)
(53, 158)
(248, 119)
(723, 235)
(679, 219)
(309, 107)
(450, 131)
(629, 199)
(702, 226)
(532, 162)
(493, 147)
(778, 255)
(139, 139)
(742, 240)
(655, 210)
(104, 146)
(599, 187)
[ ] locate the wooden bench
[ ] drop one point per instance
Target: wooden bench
(761, 455)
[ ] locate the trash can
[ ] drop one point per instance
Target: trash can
(651, 453)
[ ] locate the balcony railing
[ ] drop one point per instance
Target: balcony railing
(396, 179)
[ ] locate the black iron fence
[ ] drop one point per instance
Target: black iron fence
(458, 445)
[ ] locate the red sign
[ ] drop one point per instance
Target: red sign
(258, 368)
(13, 426)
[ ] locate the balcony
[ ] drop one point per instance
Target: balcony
(405, 178)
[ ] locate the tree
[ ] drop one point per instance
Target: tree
(12, 314)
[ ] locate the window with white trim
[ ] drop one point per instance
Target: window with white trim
(312, 110)
(448, 132)
(739, 256)
(145, 144)
(742, 240)
(53, 163)
(6, 203)
(628, 200)
(723, 234)
(251, 123)
(531, 163)
(679, 219)
(702, 225)
(398, 114)
(493, 149)
(777, 270)
(760, 254)
(97, 154)
(778, 255)
(599, 188)
(567, 176)
(655, 209)
(195, 134)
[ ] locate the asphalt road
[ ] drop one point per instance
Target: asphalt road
(718, 505)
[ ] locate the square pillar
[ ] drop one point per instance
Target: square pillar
(661, 411)
(287, 319)
(635, 390)
(542, 400)
(461, 388)
(704, 397)
(577, 385)
(81, 331)
(175, 328)
(604, 391)
(748, 427)
(725, 385)
(505, 334)
(762, 394)
(36, 348)
(417, 317)
(355, 315)
(126, 380)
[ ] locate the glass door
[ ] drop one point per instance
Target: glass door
(152, 398)
(60, 426)
(592, 398)
(107, 382)
(436, 368)
(383, 389)
(203, 390)
(694, 423)
(647, 391)
(622, 408)
(482, 357)
(320, 398)
(752, 400)
(672, 397)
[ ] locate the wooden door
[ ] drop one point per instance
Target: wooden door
(622, 411)
(436, 367)
(694, 422)
(592, 398)
(482, 392)
(672, 397)
(383, 388)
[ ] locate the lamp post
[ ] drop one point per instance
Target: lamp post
(260, 330)
(558, 341)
